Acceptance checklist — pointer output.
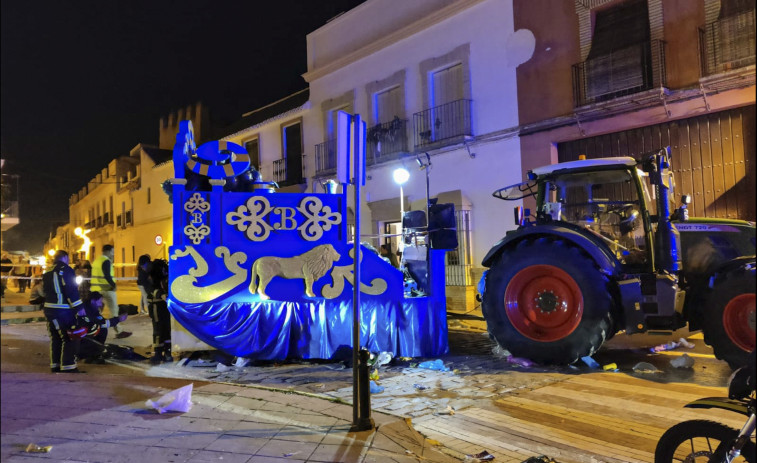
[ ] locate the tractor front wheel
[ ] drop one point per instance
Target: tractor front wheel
(546, 301)
(729, 316)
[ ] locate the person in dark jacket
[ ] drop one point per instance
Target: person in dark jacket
(143, 264)
(61, 304)
(161, 318)
(93, 344)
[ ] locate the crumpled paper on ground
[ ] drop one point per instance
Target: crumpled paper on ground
(683, 361)
(178, 400)
(34, 448)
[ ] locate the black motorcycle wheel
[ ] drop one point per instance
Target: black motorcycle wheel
(547, 301)
(697, 440)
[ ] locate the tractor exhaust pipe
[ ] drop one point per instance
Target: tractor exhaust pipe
(667, 238)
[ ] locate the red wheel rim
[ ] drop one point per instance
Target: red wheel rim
(544, 303)
(738, 320)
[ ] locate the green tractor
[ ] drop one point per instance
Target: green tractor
(604, 254)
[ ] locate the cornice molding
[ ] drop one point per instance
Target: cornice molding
(394, 37)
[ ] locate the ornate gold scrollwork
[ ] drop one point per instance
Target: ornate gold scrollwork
(344, 272)
(316, 213)
(184, 288)
(249, 218)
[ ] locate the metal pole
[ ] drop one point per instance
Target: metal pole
(356, 284)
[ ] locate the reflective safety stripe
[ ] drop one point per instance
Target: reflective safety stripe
(68, 367)
(58, 290)
(56, 324)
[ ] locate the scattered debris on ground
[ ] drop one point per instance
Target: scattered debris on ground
(590, 362)
(178, 400)
(34, 448)
(645, 367)
(684, 361)
(482, 456)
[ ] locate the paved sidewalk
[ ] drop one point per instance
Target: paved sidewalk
(105, 419)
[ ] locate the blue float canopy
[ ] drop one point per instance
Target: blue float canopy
(268, 275)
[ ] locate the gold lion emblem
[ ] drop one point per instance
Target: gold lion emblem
(310, 266)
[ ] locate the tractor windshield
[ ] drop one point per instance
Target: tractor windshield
(604, 202)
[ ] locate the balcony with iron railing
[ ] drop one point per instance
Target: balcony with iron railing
(443, 124)
(325, 158)
(727, 44)
(630, 70)
(387, 141)
(289, 173)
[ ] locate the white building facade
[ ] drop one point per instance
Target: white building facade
(428, 76)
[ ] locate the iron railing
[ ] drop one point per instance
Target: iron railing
(386, 141)
(283, 177)
(630, 70)
(325, 158)
(458, 268)
(280, 170)
(727, 44)
(442, 123)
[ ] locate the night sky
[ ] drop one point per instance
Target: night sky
(84, 81)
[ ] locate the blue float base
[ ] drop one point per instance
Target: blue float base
(274, 330)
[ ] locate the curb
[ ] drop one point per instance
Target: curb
(19, 321)
(19, 308)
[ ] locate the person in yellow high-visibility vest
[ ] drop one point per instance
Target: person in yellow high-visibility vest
(102, 281)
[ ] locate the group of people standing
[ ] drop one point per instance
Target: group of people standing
(78, 326)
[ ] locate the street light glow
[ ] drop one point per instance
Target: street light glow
(401, 175)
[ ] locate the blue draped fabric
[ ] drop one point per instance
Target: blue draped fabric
(275, 330)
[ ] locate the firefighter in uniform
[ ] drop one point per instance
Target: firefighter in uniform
(92, 349)
(157, 292)
(61, 304)
(102, 282)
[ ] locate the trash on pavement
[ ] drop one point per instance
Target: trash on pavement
(590, 362)
(683, 361)
(610, 367)
(645, 367)
(287, 454)
(383, 358)
(520, 361)
(500, 351)
(447, 411)
(222, 368)
(375, 388)
(336, 366)
(241, 362)
(420, 387)
(34, 448)
(540, 459)
(433, 365)
(482, 456)
(178, 400)
(663, 347)
(685, 343)
(374, 375)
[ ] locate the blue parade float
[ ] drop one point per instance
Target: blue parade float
(267, 275)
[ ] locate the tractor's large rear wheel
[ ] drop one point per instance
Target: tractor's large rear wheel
(546, 301)
(729, 316)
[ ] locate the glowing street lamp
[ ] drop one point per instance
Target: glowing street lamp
(401, 176)
(81, 233)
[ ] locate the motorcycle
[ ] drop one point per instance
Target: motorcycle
(708, 441)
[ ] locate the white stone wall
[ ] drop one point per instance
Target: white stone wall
(485, 29)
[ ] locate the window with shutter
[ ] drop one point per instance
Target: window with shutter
(620, 56)
(388, 105)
